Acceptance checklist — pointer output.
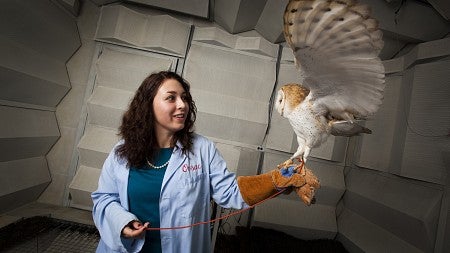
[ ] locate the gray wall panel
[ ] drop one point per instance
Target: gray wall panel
(37, 38)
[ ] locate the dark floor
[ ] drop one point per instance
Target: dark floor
(44, 234)
(261, 240)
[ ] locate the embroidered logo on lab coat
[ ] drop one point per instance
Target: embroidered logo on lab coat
(188, 167)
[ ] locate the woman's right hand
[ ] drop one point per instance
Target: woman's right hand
(134, 229)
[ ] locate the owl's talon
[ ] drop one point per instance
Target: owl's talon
(285, 164)
(299, 168)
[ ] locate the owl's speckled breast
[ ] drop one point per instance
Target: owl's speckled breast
(313, 129)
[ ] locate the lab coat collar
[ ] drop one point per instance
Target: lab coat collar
(176, 159)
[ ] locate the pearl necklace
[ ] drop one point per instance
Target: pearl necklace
(158, 167)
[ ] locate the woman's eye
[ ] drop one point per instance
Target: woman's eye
(170, 98)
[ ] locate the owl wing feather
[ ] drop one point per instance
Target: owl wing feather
(336, 46)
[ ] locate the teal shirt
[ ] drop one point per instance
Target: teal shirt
(144, 187)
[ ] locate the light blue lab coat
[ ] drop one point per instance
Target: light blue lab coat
(189, 183)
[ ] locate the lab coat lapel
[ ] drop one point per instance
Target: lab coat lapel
(176, 160)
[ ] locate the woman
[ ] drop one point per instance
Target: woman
(162, 174)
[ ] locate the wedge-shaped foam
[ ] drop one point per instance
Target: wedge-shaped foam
(83, 184)
(426, 139)
(406, 209)
(232, 92)
(163, 33)
(240, 160)
(95, 145)
(358, 234)
(41, 26)
(269, 23)
(295, 218)
(26, 133)
(409, 131)
(31, 77)
(427, 51)
(237, 15)
(219, 37)
(376, 149)
(22, 181)
(257, 45)
(106, 106)
(126, 69)
(214, 36)
(197, 8)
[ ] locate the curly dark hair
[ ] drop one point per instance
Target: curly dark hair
(138, 130)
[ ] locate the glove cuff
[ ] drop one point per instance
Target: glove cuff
(256, 188)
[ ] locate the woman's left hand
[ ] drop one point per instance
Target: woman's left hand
(134, 229)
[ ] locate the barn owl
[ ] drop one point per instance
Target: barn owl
(336, 46)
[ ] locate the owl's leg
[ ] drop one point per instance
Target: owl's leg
(300, 154)
(297, 154)
(306, 153)
(302, 159)
(301, 148)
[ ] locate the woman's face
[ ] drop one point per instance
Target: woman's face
(170, 107)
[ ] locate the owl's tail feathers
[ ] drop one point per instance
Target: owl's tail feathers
(347, 128)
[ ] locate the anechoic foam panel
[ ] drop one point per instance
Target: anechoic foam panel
(161, 33)
(231, 85)
(24, 183)
(33, 79)
(406, 213)
(119, 72)
(399, 197)
(237, 15)
(417, 127)
(197, 8)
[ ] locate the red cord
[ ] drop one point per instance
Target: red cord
(223, 217)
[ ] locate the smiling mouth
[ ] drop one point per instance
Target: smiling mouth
(179, 116)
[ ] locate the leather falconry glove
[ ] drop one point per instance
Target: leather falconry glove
(259, 187)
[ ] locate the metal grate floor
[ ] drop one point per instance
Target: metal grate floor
(44, 234)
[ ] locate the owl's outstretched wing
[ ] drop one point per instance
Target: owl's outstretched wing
(336, 46)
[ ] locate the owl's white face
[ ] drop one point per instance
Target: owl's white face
(280, 103)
